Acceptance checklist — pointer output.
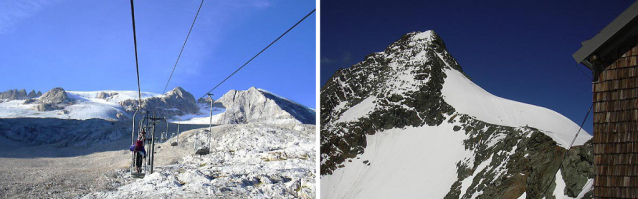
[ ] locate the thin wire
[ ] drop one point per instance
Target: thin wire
(570, 147)
(251, 59)
(180, 52)
(581, 71)
(137, 68)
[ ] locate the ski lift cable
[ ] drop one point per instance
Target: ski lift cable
(251, 59)
(137, 68)
(183, 45)
(566, 151)
(139, 90)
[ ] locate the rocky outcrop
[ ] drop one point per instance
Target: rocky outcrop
(55, 99)
(14, 94)
(54, 96)
(32, 94)
(105, 95)
(415, 104)
(175, 102)
(206, 102)
(254, 105)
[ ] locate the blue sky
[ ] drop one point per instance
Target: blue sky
(520, 50)
(88, 45)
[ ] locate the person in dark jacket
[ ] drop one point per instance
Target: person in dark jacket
(140, 152)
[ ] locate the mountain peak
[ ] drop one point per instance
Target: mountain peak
(177, 90)
(428, 35)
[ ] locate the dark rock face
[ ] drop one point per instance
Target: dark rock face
(173, 103)
(522, 159)
(577, 168)
(348, 87)
(518, 160)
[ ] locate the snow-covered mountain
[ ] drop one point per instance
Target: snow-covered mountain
(81, 105)
(408, 123)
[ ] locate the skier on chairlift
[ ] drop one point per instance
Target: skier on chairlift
(140, 152)
(142, 135)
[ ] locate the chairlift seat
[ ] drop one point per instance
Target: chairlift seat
(137, 175)
(202, 151)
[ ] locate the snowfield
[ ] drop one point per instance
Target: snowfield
(468, 98)
(86, 105)
(393, 167)
(247, 161)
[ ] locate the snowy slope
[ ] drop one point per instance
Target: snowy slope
(400, 166)
(203, 117)
(468, 98)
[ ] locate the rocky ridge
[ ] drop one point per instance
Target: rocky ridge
(255, 105)
(16, 94)
(173, 103)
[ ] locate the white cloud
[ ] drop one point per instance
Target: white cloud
(12, 12)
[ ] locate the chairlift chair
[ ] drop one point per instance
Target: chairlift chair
(135, 156)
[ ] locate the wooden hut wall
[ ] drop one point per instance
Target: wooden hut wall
(615, 97)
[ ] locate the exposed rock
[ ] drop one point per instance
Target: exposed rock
(120, 115)
(577, 168)
(173, 103)
(30, 101)
(206, 101)
(104, 95)
(48, 107)
(32, 94)
(14, 94)
(254, 105)
(22, 94)
(54, 96)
